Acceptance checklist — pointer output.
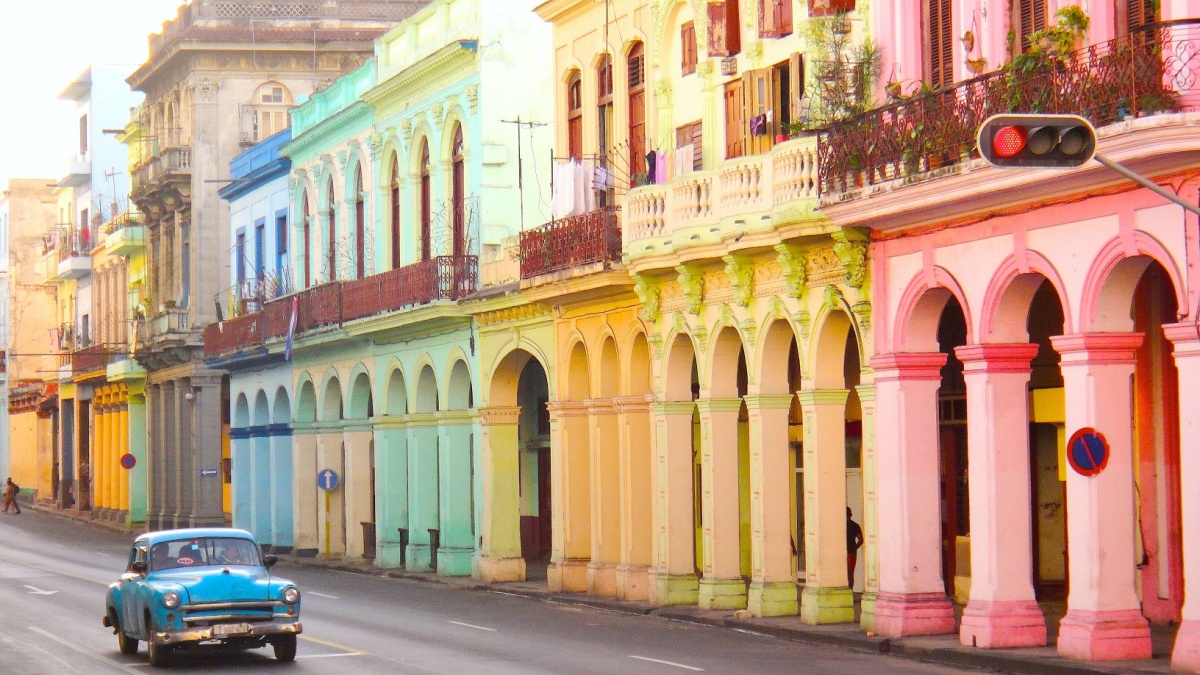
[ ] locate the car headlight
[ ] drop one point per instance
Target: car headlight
(170, 599)
(291, 594)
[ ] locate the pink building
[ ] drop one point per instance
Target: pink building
(1015, 307)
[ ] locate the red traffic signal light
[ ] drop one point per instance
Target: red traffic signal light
(1037, 141)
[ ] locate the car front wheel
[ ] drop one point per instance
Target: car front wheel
(128, 645)
(158, 653)
(285, 648)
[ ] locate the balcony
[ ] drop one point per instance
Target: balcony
(441, 278)
(74, 252)
(588, 238)
(121, 368)
(76, 171)
(125, 235)
(169, 322)
(164, 180)
(90, 361)
(241, 332)
(1152, 70)
(744, 193)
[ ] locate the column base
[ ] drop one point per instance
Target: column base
(773, 598)
(826, 605)
(491, 570)
(1104, 636)
(567, 576)
(722, 593)
(904, 614)
(204, 521)
(675, 589)
(1002, 624)
(305, 553)
(1185, 655)
(454, 561)
(416, 558)
(633, 582)
(866, 611)
(387, 554)
(602, 579)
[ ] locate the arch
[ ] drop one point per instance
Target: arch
(723, 356)
(427, 391)
(281, 410)
(272, 93)
(459, 244)
(459, 395)
(262, 410)
(330, 261)
(360, 223)
(920, 310)
(306, 235)
(635, 83)
(361, 403)
(396, 396)
(677, 368)
(395, 224)
(507, 373)
(608, 376)
(578, 386)
(1010, 291)
(776, 340)
(306, 402)
(241, 412)
(638, 381)
(827, 354)
(331, 398)
(425, 198)
(573, 90)
(1110, 282)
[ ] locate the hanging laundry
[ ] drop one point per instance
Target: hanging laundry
(563, 199)
(585, 196)
(603, 179)
(660, 167)
(758, 125)
(651, 166)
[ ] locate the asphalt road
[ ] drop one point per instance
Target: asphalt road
(53, 575)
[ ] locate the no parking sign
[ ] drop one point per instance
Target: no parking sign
(1087, 452)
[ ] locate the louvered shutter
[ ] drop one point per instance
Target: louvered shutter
(735, 121)
(766, 19)
(1031, 17)
(795, 85)
(829, 7)
(718, 30)
(939, 44)
(783, 17)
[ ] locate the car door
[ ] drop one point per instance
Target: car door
(131, 581)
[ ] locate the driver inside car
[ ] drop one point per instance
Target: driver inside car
(232, 554)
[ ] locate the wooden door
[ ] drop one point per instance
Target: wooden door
(735, 119)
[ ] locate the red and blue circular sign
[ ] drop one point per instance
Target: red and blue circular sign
(1087, 452)
(128, 461)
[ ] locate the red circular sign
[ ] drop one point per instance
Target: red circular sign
(128, 461)
(1087, 452)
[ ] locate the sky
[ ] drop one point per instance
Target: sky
(44, 46)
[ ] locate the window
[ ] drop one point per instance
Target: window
(689, 139)
(239, 255)
(1133, 14)
(774, 18)
(604, 118)
(426, 204)
(637, 110)
(307, 223)
(83, 135)
(260, 244)
(687, 48)
(760, 104)
(360, 228)
(331, 238)
(272, 94)
(1029, 16)
(939, 43)
(281, 244)
(575, 116)
(724, 28)
(266, 114)
(458, 195)
(395, 211)
(829, 7)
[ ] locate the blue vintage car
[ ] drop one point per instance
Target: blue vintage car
(198, 586)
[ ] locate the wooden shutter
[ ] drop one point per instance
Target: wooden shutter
(1135, 14)
(724, 28)
(766, 19)
(796, 85)
(829, 7)
(760, 95)
(637, 110)
(735, 119)
(1030, 17)
(687, 48)
(783, 17)
(939, 43)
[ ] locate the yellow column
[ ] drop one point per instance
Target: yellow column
(100, 480)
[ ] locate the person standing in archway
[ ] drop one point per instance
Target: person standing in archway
(854, 541)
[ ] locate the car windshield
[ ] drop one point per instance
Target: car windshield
(203, 551)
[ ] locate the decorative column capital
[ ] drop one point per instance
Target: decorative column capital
(1012, 358)
(1185, 336)
(1097, 348)
(719, 405)
(666, 408)
(820, 397)
(633, 404)
(563, 409)
(908, 366)
(768, 402)
(601, 406)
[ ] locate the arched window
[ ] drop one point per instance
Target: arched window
(331, 238)
(575, 115)
(637, 109)
(307, 240)
(458, 196)
(267, 112)
(360, 228)
(604, 127)
(395, 211)
(426, 204)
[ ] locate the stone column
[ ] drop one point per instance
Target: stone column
(391, 488)
(827, 597)
(870, 557)
(152, 456)
(262, 485)
(357, 485)
(330, 454)
(423, 489)
(636, 460)
(169, 452)
(605, 488)
(205, 443)
(1002, 611)
(241, 458)
(1104, 619)
(457, 470)
(139, 508)
(100, 477)
(123, 446)
(570, 497)
(304, 489)
(912, 593)
(1186, 338)
(675, 579)
(773, 583)
(283, 473)
(499, 558)
(721, 586)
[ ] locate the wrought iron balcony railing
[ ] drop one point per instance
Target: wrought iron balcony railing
(1155, 68)
(592, 237)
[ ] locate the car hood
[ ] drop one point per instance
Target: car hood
(223, 584)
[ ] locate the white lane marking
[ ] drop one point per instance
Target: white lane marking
(37, 591)
(471, 625)
(76, 648)
(326, 656)
(667, 663)
(322, 595)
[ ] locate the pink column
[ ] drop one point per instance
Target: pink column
(1003, 611)
(912, 594)
(1186, 337)
(1104, 619)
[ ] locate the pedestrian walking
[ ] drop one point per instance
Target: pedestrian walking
(10, 496)
(854, 541)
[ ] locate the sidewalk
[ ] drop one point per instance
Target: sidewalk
(944, 649)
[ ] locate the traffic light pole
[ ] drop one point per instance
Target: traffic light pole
(1148, 184)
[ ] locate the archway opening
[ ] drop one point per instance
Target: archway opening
(952, 452)
(533, 439)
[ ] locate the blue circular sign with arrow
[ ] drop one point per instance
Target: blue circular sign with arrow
(1087, 452)
(327, 480)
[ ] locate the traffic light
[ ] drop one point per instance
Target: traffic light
(1037, 141)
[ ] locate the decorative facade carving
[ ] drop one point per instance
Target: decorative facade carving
(472, 94)
(435, 112)
(834, 300)
(740, 271)
(852, 252)
(650, 296)
(804, 322)
(206, 91)
(691, 282)
(862, 310)
(792, 264)
(823, 267)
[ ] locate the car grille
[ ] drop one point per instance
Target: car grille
(211, 613)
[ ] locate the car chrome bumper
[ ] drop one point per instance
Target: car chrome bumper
(202, 633)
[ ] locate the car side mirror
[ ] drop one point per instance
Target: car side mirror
(139, 567)
(270, 560)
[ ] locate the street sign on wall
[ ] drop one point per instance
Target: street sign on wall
(327, 480)
(128, 461)
(1087, 452)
